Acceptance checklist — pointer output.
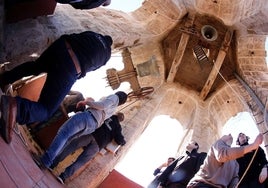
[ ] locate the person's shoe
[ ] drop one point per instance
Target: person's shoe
(50, 170)
(60, 179)
(37, 160)
(8, 117)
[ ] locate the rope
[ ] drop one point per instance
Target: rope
(240, 98)
(235, 92)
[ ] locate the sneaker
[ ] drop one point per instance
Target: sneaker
(60, 180)
(50, 169)
(38, 161)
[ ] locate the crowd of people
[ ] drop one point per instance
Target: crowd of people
(67, 59)
(222, 167)
(97, 123)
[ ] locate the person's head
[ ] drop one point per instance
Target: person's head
(108, 40)
(170, 160)
(120, 116)
(192, 145)
(122, 96)
(228, 139)
(241, 139)
(106, 3)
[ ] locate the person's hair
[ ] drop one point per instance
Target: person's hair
(106, 3)
(172, 158)
(108, 40)
(196, 144)
(122, 96)
(120, 116)
(237, 140)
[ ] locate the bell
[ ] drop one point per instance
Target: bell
(209, 33)
(147, 68)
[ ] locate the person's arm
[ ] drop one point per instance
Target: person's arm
(263, 174)
(258, 140)
(107, 102)
(83, 103)
(158, 170)
(224, 153)
(164, 175)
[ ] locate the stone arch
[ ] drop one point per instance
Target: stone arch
(158, 141)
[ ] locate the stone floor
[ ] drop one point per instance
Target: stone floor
(17, 168)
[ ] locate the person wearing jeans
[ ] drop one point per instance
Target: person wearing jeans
(67, 59)
(83, 123)
(91, 144)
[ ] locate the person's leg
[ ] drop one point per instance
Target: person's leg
(61, 75)
(40, 65)
(70, 148)
(26, 69)
(71, 129)
(89, 152)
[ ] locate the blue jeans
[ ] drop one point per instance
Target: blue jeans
(90, 147)
(61, 75)
(82, 123)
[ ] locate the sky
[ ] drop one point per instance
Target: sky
(95, 84)
(159, 141)
(125, 5)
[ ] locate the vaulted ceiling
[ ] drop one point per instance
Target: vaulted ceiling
(196, 50)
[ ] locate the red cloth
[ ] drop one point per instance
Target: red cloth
(117, 180)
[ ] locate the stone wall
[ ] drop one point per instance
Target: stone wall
(141, 31)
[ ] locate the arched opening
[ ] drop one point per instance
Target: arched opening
(159, 141)
(242, 122)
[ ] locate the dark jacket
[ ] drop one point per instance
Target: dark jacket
(255, 167)
(110, 129)
(83, 4)
(93, 50)
(183, 168)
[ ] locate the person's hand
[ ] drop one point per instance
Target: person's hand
(263, 175)
(258, 140)
(82, 104)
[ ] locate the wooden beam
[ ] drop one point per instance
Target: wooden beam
(180, 50)
(178, 57)
(217, 65)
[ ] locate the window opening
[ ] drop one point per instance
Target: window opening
(159, 141)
